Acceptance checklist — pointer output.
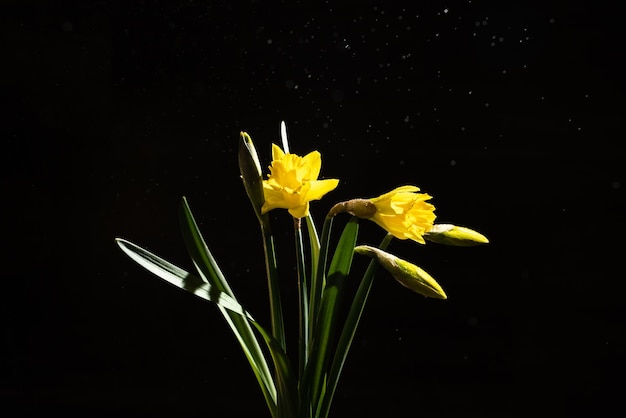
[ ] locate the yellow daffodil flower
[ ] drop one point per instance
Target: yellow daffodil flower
(404, 213)
(292, 182)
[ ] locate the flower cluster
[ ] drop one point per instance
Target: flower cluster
(326, 331)
(403, 213)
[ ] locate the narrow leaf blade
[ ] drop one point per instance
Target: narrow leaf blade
(328, 315)
(349, 330)
(179, 277)
(209, 270)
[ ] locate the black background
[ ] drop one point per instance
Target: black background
(509, 114)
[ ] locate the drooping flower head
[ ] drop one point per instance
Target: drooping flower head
(404, 213)
(292, 182)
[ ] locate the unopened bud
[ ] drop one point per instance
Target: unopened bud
(251, 174)
(455, 235)
(407, 274)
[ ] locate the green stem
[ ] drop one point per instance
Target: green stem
(271, 268)
(318, 279)
(314, 243)
(326, 322)
(303, 309)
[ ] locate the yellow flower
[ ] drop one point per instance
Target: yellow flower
(292, 182)
(404, 213)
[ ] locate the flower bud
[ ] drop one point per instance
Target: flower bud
(455, 235)
(407, 274)
(251, 174)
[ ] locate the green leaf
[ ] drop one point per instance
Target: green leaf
(271, 268)
(287, 399)
(348, 332)
(329, 310)
(287, 402)
(211, 273)
(318, 280)
(180, 278)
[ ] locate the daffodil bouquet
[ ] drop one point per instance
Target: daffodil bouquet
(302, 383)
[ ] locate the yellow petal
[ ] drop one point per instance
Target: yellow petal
(300, 211)
(401, 189)
(311, 165)
(319, 188)
(277, 153)
(273, 199)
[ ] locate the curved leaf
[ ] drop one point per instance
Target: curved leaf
(348, 332)
(329, 310)
(210, 272)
